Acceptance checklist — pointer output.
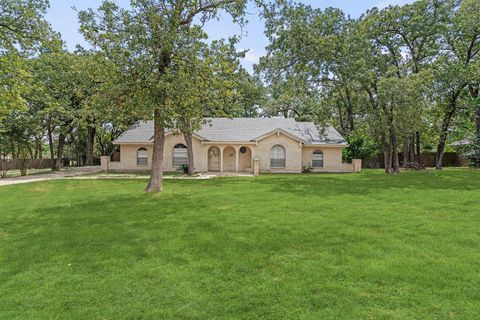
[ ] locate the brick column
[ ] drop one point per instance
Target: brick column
(221, 158)
(256, 167)
(104, 160)
(357, 165)
(237, 155)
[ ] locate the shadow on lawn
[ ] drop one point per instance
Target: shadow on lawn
(373, 182)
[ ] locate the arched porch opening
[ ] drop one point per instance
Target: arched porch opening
(229, 159)
(245, 159)
(214, 159)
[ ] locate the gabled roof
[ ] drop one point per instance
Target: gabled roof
(243, 130)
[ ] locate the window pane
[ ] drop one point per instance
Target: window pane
(142, 157)
(277, 163)
(317, 159)
(142, 161)
(277, 157)
(180, 157)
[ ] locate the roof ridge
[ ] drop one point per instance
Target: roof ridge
(243, 129)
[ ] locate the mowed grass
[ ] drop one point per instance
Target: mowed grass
(352, 246)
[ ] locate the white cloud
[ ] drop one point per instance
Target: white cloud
(385, 3)
(251, 57)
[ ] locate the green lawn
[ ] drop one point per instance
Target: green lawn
(364, 246)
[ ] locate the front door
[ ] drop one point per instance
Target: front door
(214, 159)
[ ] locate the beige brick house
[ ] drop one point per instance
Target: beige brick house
(274, 145)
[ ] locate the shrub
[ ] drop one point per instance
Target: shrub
(359, 147)
(184, 168)
(307, 168)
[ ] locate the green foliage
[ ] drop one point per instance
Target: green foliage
(22, 29)
(360, 146)
(307, 168)
(472, 152)
(184, 168)
(392, 72)
(22, 24)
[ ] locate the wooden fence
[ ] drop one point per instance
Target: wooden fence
(19, 164)
(450, 159)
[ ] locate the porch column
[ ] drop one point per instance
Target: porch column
(221, 158)
(237, 151)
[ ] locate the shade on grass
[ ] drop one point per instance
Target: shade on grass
(346, 246)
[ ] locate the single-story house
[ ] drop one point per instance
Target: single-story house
(275, 145)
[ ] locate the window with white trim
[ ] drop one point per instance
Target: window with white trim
(277, 157)
(180, 155)
(317, 159)
(142, 157)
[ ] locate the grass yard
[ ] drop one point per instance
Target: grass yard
(364, 246)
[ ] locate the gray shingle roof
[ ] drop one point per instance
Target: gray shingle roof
(244, 129)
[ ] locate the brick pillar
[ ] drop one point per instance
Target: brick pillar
(104, 160)
(357, 165)
(256, 167)
(221, 159)
(237, 156)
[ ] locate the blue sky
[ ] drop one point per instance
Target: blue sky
(64, 20)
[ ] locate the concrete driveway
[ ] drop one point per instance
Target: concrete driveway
(64, 173)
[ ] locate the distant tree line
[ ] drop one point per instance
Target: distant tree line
(402, 79)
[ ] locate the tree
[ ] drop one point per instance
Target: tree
(456, 66)
(22, 28)
(299, 64)
(404, 40)
(147, 43)
(374, 70)
(213, 69)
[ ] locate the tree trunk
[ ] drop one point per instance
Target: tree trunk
(395, 165)
(51, 147)
(387, 155)
(417, 146)
(189, 143)
(395, 162)
(101, 146)
(90, 144)
(349, 112)
(3, 172)
(411, 148)
(156, 176)
(39, 148)
(23, 166)
(444, 133)
(477, 119)
(61, 144)
(475, 93)
(406, 151)
(340, 119)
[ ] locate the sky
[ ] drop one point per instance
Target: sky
(63, 18)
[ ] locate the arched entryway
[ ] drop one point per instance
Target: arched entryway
(245, 159)
(229, 159)
(214, 159)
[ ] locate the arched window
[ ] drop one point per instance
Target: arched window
(142, 157)
(317, 159)
(277, 157)
(180, 156)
